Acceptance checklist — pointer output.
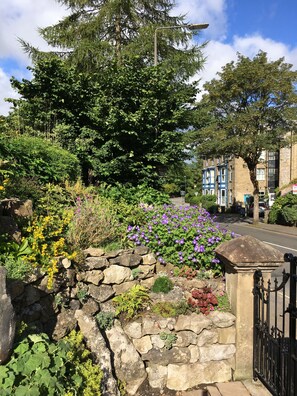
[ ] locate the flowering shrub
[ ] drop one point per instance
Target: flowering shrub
(204, 300)
(46, 235)
(181, 236)
(4, 177)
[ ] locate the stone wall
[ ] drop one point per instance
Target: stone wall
(203, 351)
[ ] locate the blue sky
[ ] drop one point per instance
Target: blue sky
(244, 26)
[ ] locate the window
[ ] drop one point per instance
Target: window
(260, 174)
(223, 175)
(261, 195)
(223, 197)
(262, 157)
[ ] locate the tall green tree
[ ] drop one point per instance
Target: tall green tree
(125, 127)
(99, 31)
(250, 108)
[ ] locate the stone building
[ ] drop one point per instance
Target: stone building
(228, 177)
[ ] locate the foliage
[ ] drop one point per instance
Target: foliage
(5, 174)
(168, 338)
(25, 187)
(168, 309)
(223, 302)
(284, 210)
(181, 236)
(162, 285)
(207, 202)
(112, 31)
(94, 223)
(203, 300)
(132, 301)
(40, 367)
(36, 158)
(82, 292)
(46, 236)
(186, 272)
(140, 194)
(249, 108)
(130, 115)
(13, 257)
(105, 320)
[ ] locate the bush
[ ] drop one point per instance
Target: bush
(94, 223)
(181, 236)
(162, 285)
(208, 202)
(46, 236)
(284, 210)
(41, 367)
(24, 187)
(39, 159)
(134, 195)
(13, 258)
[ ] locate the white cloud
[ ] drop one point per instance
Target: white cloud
(218, 54)
(21, 18)
(6, 91)
(205, 11)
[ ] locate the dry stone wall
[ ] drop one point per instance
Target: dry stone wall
(136, 352)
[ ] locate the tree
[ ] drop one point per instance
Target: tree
(103, 100)
(125, 127)
(250, 108)
(98, 31)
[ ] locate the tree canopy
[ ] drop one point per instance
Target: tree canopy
(250, 108)
(125, 127)
(98, 31)
(99, 95)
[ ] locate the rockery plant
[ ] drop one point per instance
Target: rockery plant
(181, 236)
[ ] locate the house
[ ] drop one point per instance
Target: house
(228, 178)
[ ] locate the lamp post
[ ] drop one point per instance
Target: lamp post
(190, 27)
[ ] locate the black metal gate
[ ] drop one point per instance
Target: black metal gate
(275, 345)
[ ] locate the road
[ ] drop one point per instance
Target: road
(277, 237)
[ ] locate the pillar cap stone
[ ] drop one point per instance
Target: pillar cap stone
(247, 252)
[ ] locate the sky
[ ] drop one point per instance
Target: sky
(235, 26)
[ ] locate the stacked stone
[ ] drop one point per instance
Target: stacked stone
(202, 353)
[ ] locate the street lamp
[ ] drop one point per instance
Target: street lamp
(190, 27)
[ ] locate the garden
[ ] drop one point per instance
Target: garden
(67, 219)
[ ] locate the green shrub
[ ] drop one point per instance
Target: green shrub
(41, 367)
(207, 202)
(134, 195)
(132, 301)
(284, 210)
(13, 258)
(39, 159)
(162, 285)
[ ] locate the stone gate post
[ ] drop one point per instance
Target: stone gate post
(241, 257)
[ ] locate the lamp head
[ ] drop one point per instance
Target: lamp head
(198, 26)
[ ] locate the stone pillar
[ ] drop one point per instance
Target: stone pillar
(7, 320)
(242, 257)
